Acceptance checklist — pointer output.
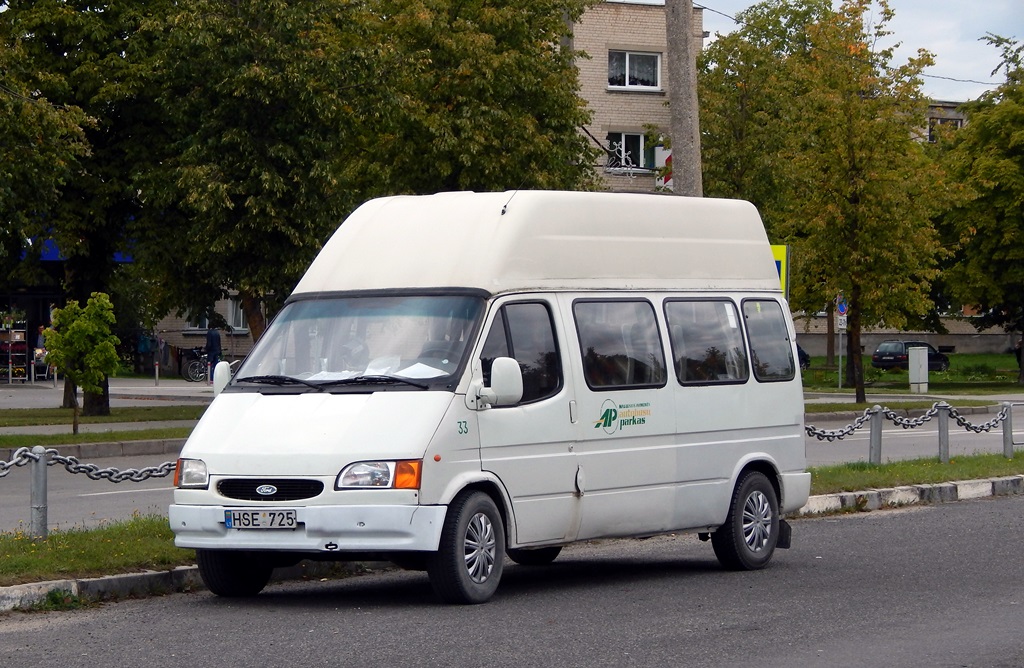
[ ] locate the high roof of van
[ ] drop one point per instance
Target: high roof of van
(546, 240)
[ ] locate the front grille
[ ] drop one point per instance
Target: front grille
(288, 489)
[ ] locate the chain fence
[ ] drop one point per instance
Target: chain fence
(941, 411)
(25, 456)
(39, 459)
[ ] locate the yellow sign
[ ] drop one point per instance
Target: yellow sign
(781, 254)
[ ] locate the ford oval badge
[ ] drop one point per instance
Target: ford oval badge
(266, 490)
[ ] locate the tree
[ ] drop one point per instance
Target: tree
(88, 56)
(287, 115)
(40, 144)
(859, 191)
(80, 344)
(988, 158)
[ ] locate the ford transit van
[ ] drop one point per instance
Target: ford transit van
(463, 377)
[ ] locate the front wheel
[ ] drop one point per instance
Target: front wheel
(233, 574)
(470, 558)
(747, 540)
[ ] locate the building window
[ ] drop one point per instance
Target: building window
(631, 70)
(234, 316)
(629, 150)
(947, 124)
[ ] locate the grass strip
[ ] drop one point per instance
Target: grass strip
(840, 407)
(47, 440)
(142, 543)
(23, 417)
(859, 476)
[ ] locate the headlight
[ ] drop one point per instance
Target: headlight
(191, 474)
(403, 474)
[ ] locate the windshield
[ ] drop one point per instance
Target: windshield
(371, 338)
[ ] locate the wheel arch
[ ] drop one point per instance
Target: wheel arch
(492, 487)
(767, 468)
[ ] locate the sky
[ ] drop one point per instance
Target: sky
(949, 29)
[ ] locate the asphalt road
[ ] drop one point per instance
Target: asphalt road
(930, 586)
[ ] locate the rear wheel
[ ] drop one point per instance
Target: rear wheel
(747, 540)
(470, 558)
(233, 574)
(541, 556)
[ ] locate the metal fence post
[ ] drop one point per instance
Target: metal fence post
(943, 413)
(37, 496)
(1008, 430)
(875, 451)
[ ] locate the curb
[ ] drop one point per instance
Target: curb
(158, 583)
(945, 492)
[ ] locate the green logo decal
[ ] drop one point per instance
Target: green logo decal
(614, 417)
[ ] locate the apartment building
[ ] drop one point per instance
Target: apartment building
(625, 81)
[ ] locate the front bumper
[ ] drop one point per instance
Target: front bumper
(325, 529)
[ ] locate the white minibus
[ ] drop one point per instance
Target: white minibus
(462, 377)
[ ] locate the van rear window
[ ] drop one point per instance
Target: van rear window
(707, 342)
(620, 344)
(770, 347)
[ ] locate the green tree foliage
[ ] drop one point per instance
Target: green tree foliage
(80, 344)
(40, 145)
(287, 115)
(988, 157)
(84, 55)
(747, 86)
(858, 191)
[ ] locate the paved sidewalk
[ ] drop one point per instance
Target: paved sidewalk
(123, 392)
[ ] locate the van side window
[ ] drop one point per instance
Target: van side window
(770, 347)
(707, 342)
(524, 332)
(620, 344)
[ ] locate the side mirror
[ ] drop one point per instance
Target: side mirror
(221, 376)
(506, 383)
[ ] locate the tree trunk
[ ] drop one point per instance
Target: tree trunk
(685, 122)
(856, 361)
(97, 404)
(70, 395)
(252, 307)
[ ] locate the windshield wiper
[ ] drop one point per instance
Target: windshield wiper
(371, 380)
(279, 380)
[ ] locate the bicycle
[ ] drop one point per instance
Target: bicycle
(195, 369)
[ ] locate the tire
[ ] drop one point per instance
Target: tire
(469, 561)
(541, 556)
(747, 540)
(195, 371)
(233, 574)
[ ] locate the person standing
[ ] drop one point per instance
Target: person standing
(212, 349)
